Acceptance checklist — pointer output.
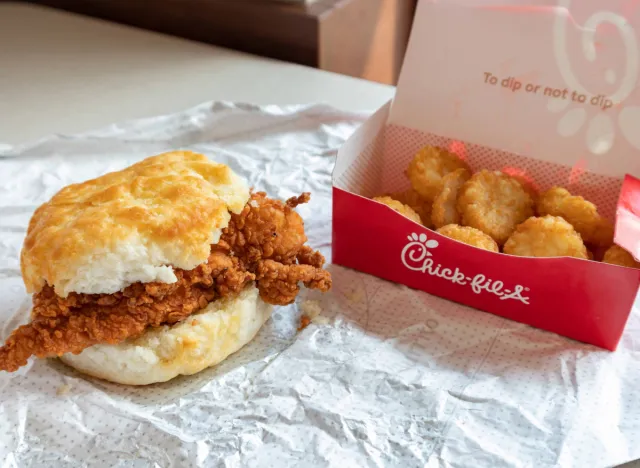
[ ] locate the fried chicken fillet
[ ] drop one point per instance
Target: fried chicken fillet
(262, 244)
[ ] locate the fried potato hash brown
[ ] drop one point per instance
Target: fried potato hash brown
(527, 185)
(494, 203)
(551, 200)
(582, 214)
(429, 166)
(399, 207)
(616, 255)
(494, 209)
(547, 236)
(469, 235)
(445, 210)
(417, 203)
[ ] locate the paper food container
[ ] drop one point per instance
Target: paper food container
(545, 88)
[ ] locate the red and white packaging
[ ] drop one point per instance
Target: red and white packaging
(545, 88)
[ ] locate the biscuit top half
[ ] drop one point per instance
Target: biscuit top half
(133, 225)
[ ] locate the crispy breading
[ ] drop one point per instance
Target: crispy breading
(266, 228)
(280, 284)
(267, 237)
(60, 325)
(308, 256)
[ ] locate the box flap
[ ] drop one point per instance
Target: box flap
(628, 217)
(553, 80)
(359, 162)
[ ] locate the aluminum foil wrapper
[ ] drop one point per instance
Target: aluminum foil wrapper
(383, 376)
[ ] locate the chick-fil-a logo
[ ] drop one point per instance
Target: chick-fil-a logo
(601, 131)
(416, 256)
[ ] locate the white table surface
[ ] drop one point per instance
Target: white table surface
(63, 73)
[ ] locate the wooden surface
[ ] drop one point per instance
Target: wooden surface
(361, 38)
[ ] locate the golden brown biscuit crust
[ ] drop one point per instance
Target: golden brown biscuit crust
(171, 207)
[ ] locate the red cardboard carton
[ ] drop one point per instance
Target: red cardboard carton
(545, 88)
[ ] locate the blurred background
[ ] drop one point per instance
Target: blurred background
(361, 38)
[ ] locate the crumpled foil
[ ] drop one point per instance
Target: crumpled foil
(385, 376)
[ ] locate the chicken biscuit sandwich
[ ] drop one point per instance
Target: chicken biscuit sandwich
(161, 269)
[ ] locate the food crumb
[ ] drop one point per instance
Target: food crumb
(254, 204)
(321, 320)
(311, 311)
(354, 295)
(63, 389)
(311, 308)
(304, 322)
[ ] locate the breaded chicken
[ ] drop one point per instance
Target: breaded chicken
(264, 243)
(266, 229)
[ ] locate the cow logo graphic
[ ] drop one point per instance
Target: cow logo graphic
(417, 255)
